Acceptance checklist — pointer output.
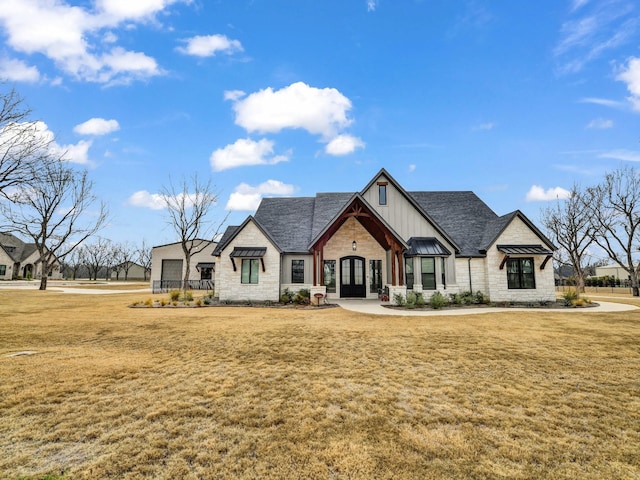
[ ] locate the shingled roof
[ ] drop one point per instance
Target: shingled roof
(292, 223)
(16, 248)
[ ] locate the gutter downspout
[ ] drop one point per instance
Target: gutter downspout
(470, 284)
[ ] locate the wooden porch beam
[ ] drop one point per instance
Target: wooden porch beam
(544, 264)
(504, 260)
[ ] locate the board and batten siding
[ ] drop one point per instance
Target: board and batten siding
(285, 278)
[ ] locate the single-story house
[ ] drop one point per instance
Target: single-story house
(20, 259)
(129, 271)
(168, 266)
(384, 238)
(613, 270)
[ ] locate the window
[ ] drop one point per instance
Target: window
(428, 269)
(520, 273)
(444, 277)
(250, 270)
(382, 193)
(330, 275)
(375, 275)
(408, 272)
(3, 270)
(297, 271)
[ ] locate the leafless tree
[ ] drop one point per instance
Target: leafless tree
(97, 256)
(124, 257)
(143, 254)
(614, 210)
(73, 262)
(569, 226)
(188, 207)
(57, 210)
(21, 143)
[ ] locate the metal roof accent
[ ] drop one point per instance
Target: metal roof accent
(248, 252)
(524, 250)
(205, 265)
(426, 247)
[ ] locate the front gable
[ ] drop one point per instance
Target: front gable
(401, 211)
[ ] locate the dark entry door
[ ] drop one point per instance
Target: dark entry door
(352, 284)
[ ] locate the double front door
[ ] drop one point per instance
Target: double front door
(352, 277)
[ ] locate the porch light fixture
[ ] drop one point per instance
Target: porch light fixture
(354, 246)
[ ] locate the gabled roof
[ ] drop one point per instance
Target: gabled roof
(495, 229)
(232, 232)
(288, 221)
(16, 248)
(426, 214)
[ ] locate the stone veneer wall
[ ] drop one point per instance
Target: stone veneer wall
(478, 275)
(518, 233)
(228, 282)
(340, 246)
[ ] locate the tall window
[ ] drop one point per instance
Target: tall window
(330, 275)
(250, 270)
(520, 273)
(382, 193)
(297, 271)
(444, 277)
(428, 269)
(408, 272)
(375, 275)
(3, 270)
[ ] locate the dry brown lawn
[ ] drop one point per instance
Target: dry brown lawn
(114, 392)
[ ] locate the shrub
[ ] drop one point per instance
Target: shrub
(174, 303)
(398, 299)
(163, 302)
(420, 299)
(437, 301)
(287, 296)
(480, 298)
(148, 302)
(411, 299)
(198, 303)
(569, 297)
(578, 302)
(174, 295)
(302, 296)
(188, 296)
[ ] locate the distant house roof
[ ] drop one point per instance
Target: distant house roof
(16, 248)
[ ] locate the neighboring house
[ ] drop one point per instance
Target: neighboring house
(383, 238)
(613, 270)
(168, 267)
(129, 271)
(19, 259)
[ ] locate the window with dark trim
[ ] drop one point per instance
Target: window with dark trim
(408, 272)
(250, 268)
(375, 275)
(382, 193)
(428, 271)
(520, 273)
(329, 268)
(297, 271)
(3, 270)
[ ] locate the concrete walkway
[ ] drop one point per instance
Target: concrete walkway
(373, 307)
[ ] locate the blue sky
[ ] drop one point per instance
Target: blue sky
(516, 101)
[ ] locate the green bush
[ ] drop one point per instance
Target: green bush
(437, 301)
(188, 296)
(287, 296)
(411, 299)
(398, 299)
(420, 301)
(480, 298)
(569, 297)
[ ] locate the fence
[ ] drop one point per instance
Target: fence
(163, 286)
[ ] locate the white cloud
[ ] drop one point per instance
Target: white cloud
(17, 71)
(539, 194)
(319, 111)
(605, 102)
(79, 40)
(600, 123)
(209, 45)
(631, 76)
(245, 152)
(97, 126)
(577, 4)
(234, 95)
(372, 5)
(412, 168)
(143, 198)
(624, 155)
(39, 133)
(247, 197)
(483, 126)
(343, 145)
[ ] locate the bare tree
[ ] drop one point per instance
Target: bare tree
(614, 210)
(570, 228)
(144, 257)
(187, 210)
(73, 262)
(21, 143)
(97, 256)
(124, 257)
(56, 209)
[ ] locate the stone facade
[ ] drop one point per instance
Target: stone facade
(228, 280)
(517, 233)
